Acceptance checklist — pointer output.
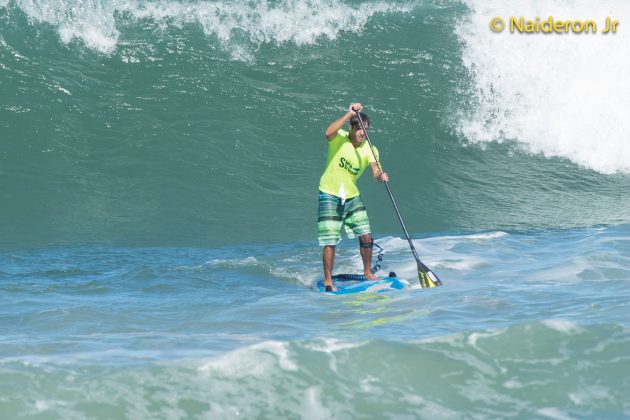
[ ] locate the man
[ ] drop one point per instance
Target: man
(339, 201)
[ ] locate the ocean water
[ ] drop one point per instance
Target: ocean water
(159, 163)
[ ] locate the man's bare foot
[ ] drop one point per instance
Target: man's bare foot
(370, 276)
(329, 286)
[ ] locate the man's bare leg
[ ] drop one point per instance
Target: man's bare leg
(329, 262)
(365, 248)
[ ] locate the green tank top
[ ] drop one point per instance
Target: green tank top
(344, 165)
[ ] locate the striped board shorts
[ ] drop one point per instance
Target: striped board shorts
(333, 214)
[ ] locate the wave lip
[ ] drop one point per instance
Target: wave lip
(91, 21)
(559, 95)
(98, 23)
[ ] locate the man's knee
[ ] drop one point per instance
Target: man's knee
(329, 250)
(366, 241)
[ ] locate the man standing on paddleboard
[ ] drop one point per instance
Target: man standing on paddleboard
(340, 204)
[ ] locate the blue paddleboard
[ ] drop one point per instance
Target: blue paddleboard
(354, 283)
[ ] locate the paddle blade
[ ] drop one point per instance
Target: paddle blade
(427, 277)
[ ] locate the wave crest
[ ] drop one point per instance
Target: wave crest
(560, 95)
(97, 22)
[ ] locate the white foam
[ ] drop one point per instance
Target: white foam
(228, 262)
(255, 360)
(45, 405)
(553, 413)
(488, 235)
(512, 384)
(393, 243)
(461, 263)
(455, 340)
(558, 95)
(429, 409)
(437, 252)
(258, 22)
(368, 385)
(563, 326)
(474, 337)
(590, 395)
(331, 345)
(92, 21)
(475, 236)
(313, 405)
(306, 277)
(299, 21)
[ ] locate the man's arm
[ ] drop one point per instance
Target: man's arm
(378, 174)
(332, 129)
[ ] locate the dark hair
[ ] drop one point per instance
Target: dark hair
(354, 121)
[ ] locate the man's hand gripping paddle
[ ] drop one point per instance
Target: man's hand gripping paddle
(427, 277)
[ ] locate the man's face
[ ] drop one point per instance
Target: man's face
(356, 133)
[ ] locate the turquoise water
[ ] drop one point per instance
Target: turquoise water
(528, 324)
(159, 164)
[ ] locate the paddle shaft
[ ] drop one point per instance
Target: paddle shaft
(421, 266)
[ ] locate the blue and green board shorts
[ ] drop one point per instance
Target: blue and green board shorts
(334, 213)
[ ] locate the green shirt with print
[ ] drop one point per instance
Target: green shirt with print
(344, 165)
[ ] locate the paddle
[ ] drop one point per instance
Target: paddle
(427, 277)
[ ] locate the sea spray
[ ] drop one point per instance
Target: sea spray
(239, 25)
(563, 96)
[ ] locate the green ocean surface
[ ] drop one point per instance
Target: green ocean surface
(201, 123)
